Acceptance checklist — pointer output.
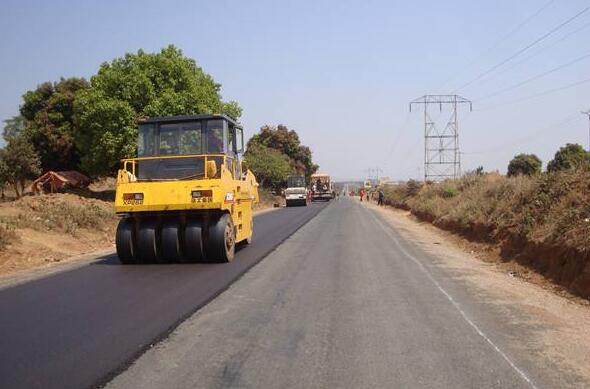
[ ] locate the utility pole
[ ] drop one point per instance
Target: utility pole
(373, 172)
(377, 170)
(587, 113)
(442, 157)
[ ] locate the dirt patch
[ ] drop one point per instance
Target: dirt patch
(38, 231)
(560, 318)
(268, 200)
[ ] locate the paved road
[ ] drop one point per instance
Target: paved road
(77, 328)
(344, 303)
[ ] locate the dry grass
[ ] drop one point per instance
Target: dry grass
(543, 221)
(64, 213)
(7, 235)
(550, 208)
(267, 199)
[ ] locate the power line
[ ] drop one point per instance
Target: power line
(534, 54)
(568, 119)
(388, 159)
(522, 50)
(530, 97)
(399, 134)
(501, 40)
(546, 73)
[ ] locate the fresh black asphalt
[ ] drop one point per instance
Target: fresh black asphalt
(78, 328)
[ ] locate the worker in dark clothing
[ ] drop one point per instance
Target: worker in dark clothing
(380, 198)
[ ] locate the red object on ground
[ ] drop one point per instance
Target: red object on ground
(52, 182)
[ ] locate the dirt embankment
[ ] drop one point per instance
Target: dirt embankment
(542, 223)
(39, 230)
(268, 200)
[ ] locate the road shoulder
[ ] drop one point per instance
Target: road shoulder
(558, 317)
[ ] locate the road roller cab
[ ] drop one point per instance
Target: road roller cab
(187, 197)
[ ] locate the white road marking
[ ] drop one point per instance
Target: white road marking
(452, 301)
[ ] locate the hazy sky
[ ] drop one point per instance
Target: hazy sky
(341, 73)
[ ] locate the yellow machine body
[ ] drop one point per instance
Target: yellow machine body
(227, 194)
(176, 205)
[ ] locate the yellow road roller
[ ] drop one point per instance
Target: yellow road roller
(187, 197)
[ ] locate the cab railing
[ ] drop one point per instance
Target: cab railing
(130, 164)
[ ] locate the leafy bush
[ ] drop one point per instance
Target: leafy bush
(449, 192)
(287, 142)
(270, 166)
(527, 164)
(18, 162)
(568, 157)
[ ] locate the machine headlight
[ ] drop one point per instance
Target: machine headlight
(133, 196)
(197, 194)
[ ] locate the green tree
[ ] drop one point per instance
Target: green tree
(137, 86)
(4, 175)
(49, 123)
(14, 126)
(570, 156)
(19, 162)
(286, 141)
(527, 164)
(270, 167)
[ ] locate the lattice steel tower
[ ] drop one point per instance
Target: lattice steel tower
(442, 158)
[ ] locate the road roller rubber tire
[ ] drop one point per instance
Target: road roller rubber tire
(221, 244)
(193, 241)
(125, 241)
(170, 238)
(147, 241)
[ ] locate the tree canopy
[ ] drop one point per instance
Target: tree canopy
(14, 126)
(570, 156)
(525, 164)
(286, 141)
(270, 166)
(133, 87)
(47, 121)
(18, 162)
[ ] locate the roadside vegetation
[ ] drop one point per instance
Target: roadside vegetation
(89, 125)
(541, 220)
(65, 213)
(40, 230)
(275, 153)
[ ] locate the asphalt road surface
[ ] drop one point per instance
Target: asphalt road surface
(345, 303)
(78, 328)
